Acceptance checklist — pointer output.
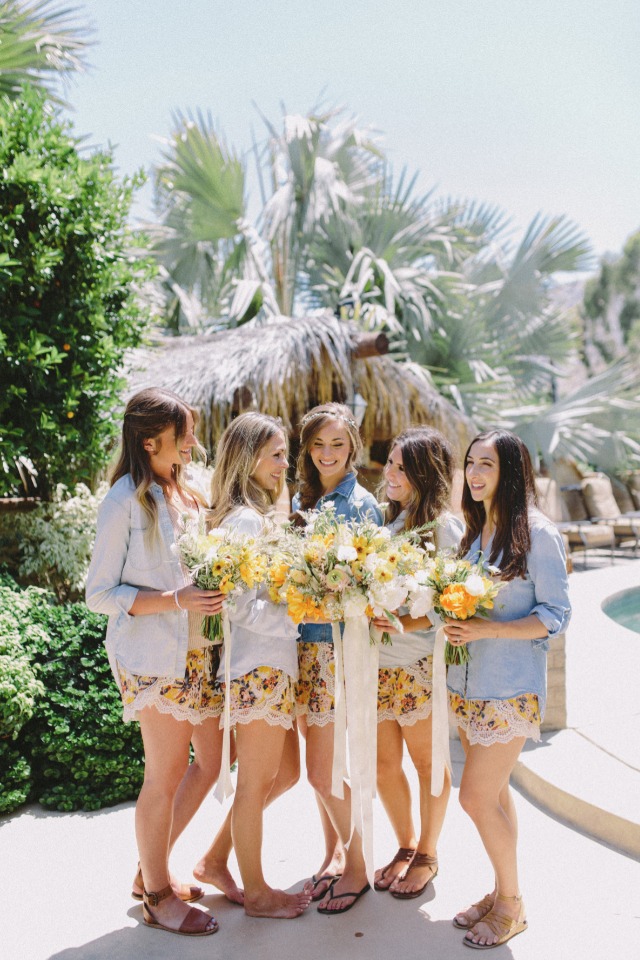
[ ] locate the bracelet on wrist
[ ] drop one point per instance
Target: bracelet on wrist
(177, 602)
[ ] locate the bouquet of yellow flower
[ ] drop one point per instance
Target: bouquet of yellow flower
(337, 569)
(462, 590)
(223, 560)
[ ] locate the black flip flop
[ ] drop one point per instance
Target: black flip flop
(331, 877)
(340, 896)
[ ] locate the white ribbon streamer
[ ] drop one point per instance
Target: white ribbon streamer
(224, 787)
(339, 771)
(357, 690)
(440, 756)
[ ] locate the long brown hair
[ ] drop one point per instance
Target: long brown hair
(428, 463)
(311, 424)
(147, 414)
(515, 494)
(239, 450)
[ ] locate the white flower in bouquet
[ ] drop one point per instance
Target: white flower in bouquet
(475, 585)
(421, 602)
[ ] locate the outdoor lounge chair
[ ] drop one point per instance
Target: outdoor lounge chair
(579, 533)
(602, 507)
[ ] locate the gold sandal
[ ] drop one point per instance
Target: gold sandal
(504, 928)
(195, 924)
(482, 908)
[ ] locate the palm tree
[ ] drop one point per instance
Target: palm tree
(337, 233)
(40, 41)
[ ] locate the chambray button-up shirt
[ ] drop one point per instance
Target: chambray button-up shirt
(353, 502)
(501, 669)
(123, 562)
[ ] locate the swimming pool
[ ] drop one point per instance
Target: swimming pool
(624, 608)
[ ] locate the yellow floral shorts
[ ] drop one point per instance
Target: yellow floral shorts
(195, 697)
(497, 721)
(265, 693)
(315, 688)
(404, 693)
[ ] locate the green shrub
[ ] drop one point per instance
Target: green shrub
(15, 783)
(81, 754)
(69, 305)
(53, 541)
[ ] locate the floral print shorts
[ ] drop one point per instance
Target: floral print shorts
(195, 697)
(315, 688)
(497, 721)
(404, 693)
(265, 693)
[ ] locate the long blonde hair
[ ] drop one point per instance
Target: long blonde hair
(239, 451)
(147, 414)
(310, 426)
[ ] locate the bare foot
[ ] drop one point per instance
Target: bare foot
(504, 920)
(344, 893)
(217, 874)
(277, 904)
(420, 871)
(385, 876)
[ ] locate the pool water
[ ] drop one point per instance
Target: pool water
(624, 608)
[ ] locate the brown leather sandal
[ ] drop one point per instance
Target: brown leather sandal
(501, 926)
(195, 924)
(419, 860)
(404, 855)
(188, 892)
(482, 908)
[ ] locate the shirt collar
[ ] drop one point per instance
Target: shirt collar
(344, 488)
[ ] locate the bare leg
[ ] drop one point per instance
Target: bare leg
(166, 746)
(260, 752)
(432, 809)
(484, 795)
(333, 862)
(212, 867)
(394, 791)
(319, 768)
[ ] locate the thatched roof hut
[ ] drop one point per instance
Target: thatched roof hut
(284, 367)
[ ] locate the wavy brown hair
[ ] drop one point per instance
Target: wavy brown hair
(428, 462)
(514, 496)
(239, 450)
(310, 487)
(146, 415)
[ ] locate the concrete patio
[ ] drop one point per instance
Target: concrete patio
(64, 888)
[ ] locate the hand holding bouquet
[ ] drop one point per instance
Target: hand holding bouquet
(462, 590)
(223, 560)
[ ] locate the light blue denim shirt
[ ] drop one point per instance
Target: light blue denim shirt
(122, 563)
(353, 502)
(500, 669)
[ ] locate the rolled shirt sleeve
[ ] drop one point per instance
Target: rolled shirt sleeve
(105, 593)
(547, 568)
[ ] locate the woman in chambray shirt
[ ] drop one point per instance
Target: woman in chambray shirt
(498, 697)
(159, 658)
(330, 448)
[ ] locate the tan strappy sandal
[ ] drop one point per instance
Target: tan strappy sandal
(404, 855)
(195, 924)
(481, 908)
(504, 928)
(418, 860)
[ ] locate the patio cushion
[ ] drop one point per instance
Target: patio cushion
(634, 487)
(574, 503)
(599, 497)
(623, 496)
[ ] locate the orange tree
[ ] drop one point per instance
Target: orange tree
(68, 305)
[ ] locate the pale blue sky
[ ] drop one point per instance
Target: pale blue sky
(529, 104)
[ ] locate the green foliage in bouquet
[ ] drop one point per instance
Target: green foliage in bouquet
(68, 305)
(80, 753)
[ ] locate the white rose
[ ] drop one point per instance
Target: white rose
(347, 553)
(354, 605)
(421, 603)
(474, 585)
